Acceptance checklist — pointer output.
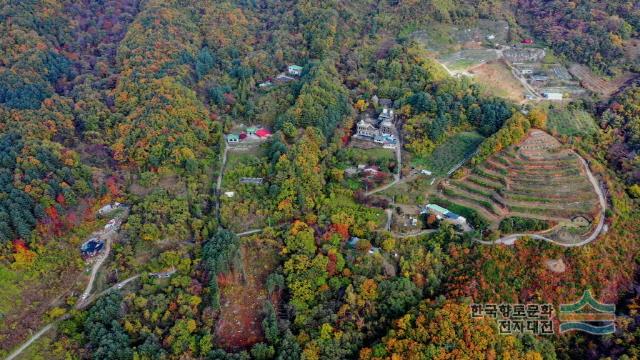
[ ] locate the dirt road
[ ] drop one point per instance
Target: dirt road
(108, 235)
(49, 326)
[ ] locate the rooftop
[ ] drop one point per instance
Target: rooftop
(437, 208)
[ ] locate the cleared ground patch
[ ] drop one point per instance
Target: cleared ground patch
(537, 179)
(244, 294)
(498, 80)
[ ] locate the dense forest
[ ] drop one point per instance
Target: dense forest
(130, 101)
(596, 33)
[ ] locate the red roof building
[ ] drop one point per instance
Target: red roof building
(527, 41)
(263, 133)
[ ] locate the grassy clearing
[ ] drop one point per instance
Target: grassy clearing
(571, 122)
(450, 153)
(411, 192)
(373, 155)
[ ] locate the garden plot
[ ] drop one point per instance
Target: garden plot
(571, 122)
(450, 153)
(599, 85)
(538, 179)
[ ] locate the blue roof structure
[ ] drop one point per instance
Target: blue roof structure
(93, 245)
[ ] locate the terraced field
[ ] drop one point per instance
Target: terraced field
(536, 179)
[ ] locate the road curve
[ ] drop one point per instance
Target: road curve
(511, 239)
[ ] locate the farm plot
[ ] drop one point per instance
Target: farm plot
(450, 153)
(597, 84)
(571, 122)
(537, 179)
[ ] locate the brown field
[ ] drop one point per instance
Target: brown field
(536, 179)
(498, 80)
(597, 84)
(243, 297)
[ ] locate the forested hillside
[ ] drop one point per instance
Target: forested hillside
(255, 223)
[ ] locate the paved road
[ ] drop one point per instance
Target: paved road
(511, 239)
(95, 297)
(222, 165)
(389, 213)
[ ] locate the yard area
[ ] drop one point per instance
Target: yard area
(412, 192)
(377, 155)
(448, 154)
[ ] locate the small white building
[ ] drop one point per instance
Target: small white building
(229, 194)
(295, 70)
(443, 214)
(552, 95)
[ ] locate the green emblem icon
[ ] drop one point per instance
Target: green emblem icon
(588, 315)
